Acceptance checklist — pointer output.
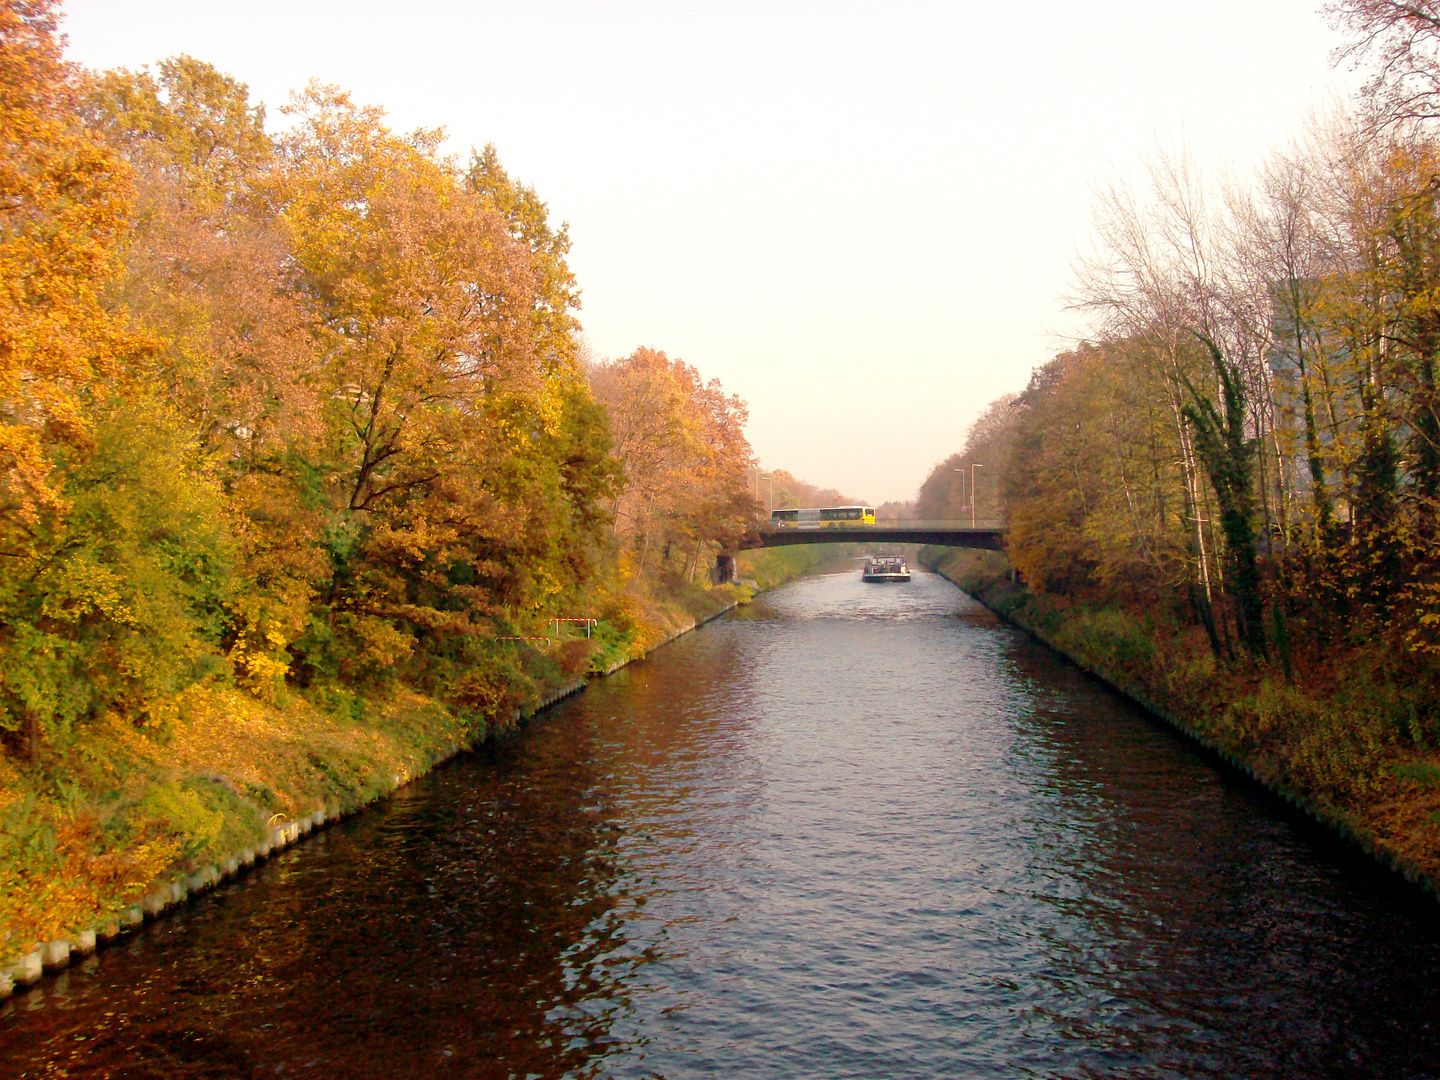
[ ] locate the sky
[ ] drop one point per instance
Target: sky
(861, 218)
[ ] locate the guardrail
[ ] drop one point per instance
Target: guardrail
(586, 622)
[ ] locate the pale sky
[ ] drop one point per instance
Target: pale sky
(860, 217)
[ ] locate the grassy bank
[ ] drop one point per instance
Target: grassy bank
(769, 568)
(95, 822)
(1347, 738)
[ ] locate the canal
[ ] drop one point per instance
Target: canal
(853, 831)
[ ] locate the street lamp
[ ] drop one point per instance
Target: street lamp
(973, 500)
(769, 491)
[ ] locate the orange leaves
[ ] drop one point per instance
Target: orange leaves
(417, 295)
(63, 201)
(77, 879)
(363, 380)
(682, 445)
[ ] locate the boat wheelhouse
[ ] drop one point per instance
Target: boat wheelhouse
(885, 568)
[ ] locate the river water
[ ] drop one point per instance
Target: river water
(855, 831)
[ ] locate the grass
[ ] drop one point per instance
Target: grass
(90, 825)
(770, 568)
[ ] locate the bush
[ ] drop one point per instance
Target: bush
(122, 605)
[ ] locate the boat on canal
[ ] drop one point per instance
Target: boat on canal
(885, 568)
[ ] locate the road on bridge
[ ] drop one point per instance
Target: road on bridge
(941, 533)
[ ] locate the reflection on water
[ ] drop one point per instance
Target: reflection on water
(860, 831)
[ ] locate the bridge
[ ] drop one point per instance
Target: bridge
(986, 536)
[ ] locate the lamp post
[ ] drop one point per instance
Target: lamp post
(769, 490)
(973, 500)
(961, 471)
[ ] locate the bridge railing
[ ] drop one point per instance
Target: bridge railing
(947, 525)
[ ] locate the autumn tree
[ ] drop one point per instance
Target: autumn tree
(114, 566)
(680, 441)
(461, 457)
(1256, 425)
(1090, 483)
(208, 272)
(64, 198)
(207, 263)
(342, 433)
(947, 495)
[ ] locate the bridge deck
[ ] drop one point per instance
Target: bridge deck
(943, 535)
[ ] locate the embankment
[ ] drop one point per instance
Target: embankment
(1340, 746)
(125, 821)
(100, 834)
(769, 568)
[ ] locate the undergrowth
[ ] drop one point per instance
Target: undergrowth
(1350, 731)
(103, 813)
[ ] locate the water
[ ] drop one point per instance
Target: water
(860, 831)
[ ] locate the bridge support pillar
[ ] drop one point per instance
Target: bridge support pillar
(724, 568)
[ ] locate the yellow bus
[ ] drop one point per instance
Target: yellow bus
(825, 517)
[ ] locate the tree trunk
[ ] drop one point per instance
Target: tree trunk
(1221, 443)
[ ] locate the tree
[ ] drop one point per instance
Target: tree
(1221, 441)
(946, 496)
(207, 267)
(1401, 40)
(681, 444)
(63, 203)
(527, 219)
(207, 271)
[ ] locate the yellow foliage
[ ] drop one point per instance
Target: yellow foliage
(181, 813)
(353, 439)
(63, 204)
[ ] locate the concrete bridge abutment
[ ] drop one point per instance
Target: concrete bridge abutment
(724, 572)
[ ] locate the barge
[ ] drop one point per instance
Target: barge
(885, 568)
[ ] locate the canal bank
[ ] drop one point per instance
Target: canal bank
(429, 746)
(408, 738)
(1368, 827)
